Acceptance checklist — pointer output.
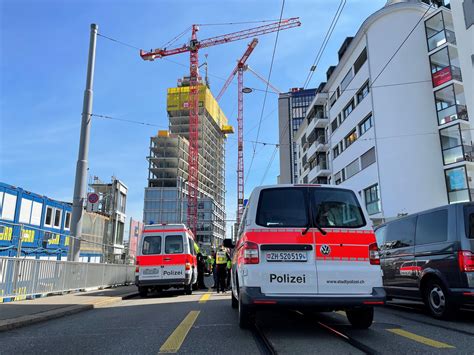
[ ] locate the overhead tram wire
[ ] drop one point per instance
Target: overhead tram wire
(269, 165)
(326, 39)
(235, 23)
(266, 92)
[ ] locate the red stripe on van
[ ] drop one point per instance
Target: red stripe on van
(344, 252)
(146, 260)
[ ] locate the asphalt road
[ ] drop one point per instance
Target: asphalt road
(205, 323)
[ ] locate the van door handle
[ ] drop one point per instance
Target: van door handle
(167, 259)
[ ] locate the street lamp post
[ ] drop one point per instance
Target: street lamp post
(80, 184)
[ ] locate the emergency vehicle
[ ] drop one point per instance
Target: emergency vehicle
(166, 258)
(306, 246)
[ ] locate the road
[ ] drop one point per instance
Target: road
(205, 323)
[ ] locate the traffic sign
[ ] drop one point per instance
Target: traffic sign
(93, 198)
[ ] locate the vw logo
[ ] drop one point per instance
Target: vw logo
(325, 249)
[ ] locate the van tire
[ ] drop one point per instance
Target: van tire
(438, 301)
(188, 289)
(246, 315)
(360, 318)
(143, 291)
(235, 301)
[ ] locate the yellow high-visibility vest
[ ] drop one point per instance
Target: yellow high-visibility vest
(221, 258)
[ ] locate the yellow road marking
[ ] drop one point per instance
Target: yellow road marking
(421, 339)
(205, 297)
(176, 339)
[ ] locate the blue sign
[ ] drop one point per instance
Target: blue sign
(457, 179)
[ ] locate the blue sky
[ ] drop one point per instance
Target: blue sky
(43, 63)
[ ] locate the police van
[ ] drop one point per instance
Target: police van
(166, 258)
(306, 246)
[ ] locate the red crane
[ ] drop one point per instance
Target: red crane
(239, 68)
(193, 48)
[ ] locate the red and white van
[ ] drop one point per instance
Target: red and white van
(166, 258)
(306, 246)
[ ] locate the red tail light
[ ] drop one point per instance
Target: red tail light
(466, 261)
(374, 255)
(137, 269)
(249, 253)
(187, 266)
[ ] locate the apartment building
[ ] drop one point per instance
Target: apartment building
(397, 133)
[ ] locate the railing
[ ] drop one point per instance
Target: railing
(21, 277)
(446, 74)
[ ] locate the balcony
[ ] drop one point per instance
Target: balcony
(459, 186)
(451, 104)
(321, 144)
(440, 30)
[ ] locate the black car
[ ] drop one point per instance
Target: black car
(429, 256)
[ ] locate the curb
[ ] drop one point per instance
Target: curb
(61, 312)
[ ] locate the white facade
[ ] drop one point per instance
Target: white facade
(387, 144)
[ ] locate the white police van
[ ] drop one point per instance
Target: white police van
(306, 246)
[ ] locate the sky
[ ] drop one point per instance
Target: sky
(44, 49)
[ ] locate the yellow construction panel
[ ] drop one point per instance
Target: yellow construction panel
(227, 129)
(163, 134)
(178, 99)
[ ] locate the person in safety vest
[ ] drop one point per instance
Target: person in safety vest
(229, 267)
(214, 269)
(221, 261)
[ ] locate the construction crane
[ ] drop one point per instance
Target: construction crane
(239, 68)
(193, 48)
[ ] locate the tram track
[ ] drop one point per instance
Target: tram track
(263, 343)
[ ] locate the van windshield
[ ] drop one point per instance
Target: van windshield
(151, 245)
(282, 207)
(336, 208)
(469, 220)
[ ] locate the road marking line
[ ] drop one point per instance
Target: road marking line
(176, 339)
(421, 339)
(205, 298)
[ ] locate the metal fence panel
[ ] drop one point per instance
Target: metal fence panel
(21, 277)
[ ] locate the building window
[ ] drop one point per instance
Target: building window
(456, 144)
(363, 92)
(67, 222)
(350, 138)
(335, 151)
(360, 60)
(57, 218)
(445, 66)
(334, 125)
(439, 30)
(48, 219)
(372, 199)
(347, 79)
(353, 168)
(332, 100)
(450, 104)
(338, 178)
(368, 158)
(365, 125)
(348, 109)
(456, 182)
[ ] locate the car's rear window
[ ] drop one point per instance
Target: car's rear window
(282, 207)
(336, 208)
(469, 220)
(151, 245)
(174, 244)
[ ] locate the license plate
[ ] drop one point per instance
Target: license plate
(151, 271)
(286, 256)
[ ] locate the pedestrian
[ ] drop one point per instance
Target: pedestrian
(200, 271)
(214, 269)
(221, 262)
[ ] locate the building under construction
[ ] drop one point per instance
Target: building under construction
(167, 192)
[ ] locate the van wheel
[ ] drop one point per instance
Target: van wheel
(188, 290)
(360, 318)
(246, 315)
(143, 291)
(235, 301)
(439, 303)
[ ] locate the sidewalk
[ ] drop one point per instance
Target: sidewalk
(19, 314)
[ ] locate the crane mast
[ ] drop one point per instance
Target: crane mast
(193, 48)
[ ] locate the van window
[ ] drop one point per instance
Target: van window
(151, 245)
(282, 207)
(337, 208)
(174, 244)
(469, 220)
(432, 227)
(380, 235)
(400, 233)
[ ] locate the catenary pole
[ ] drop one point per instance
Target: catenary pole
(80, 184)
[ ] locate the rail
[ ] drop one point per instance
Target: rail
(21, 277)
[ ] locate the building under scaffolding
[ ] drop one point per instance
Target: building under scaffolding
(166, 194)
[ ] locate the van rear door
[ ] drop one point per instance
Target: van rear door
(342, 255)
(287, 263)
(174, 258)
(150, 259)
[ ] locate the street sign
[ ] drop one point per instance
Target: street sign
(93, 198)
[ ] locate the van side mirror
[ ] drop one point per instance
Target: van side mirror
(228, 244)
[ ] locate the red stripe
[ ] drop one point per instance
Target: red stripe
(163, 230)
(344, 251)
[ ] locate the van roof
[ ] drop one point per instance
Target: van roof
(302, 185)
(165, 226)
